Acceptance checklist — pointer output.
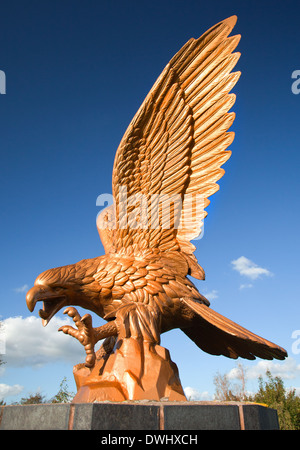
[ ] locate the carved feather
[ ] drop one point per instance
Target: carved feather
(176, 144)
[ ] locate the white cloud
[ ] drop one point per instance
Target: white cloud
(246, 286)
(287, 370)
(6, 390)
(193, 395)
(28, 343)
(2, 340)
(248, 268)
(212, 295)
(234, 373)
(22, 289)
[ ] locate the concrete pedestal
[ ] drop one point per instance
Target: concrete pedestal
(143, 415)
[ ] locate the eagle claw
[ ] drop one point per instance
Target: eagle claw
(84, 333)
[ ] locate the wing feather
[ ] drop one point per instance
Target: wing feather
(176, 144)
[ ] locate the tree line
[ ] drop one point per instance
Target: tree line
(63, 396)
(271, 392)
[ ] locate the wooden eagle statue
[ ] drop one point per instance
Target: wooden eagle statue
(166, 167)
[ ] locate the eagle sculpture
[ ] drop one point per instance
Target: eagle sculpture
(173, 149)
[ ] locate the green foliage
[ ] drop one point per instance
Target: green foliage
(33, 399)
(271, 393)
(63, 395)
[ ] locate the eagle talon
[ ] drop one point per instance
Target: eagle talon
(85, 333)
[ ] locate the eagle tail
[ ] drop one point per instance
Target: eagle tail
(217, 335)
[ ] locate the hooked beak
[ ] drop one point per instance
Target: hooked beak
(52, 301)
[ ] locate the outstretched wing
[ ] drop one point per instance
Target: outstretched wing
(217, 335)
(169, 160)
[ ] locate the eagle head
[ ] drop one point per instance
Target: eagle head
(65, 286)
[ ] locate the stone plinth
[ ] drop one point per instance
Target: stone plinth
(140, 416)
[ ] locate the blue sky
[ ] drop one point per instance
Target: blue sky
(76, 73)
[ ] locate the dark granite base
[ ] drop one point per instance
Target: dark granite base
(139, 416)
